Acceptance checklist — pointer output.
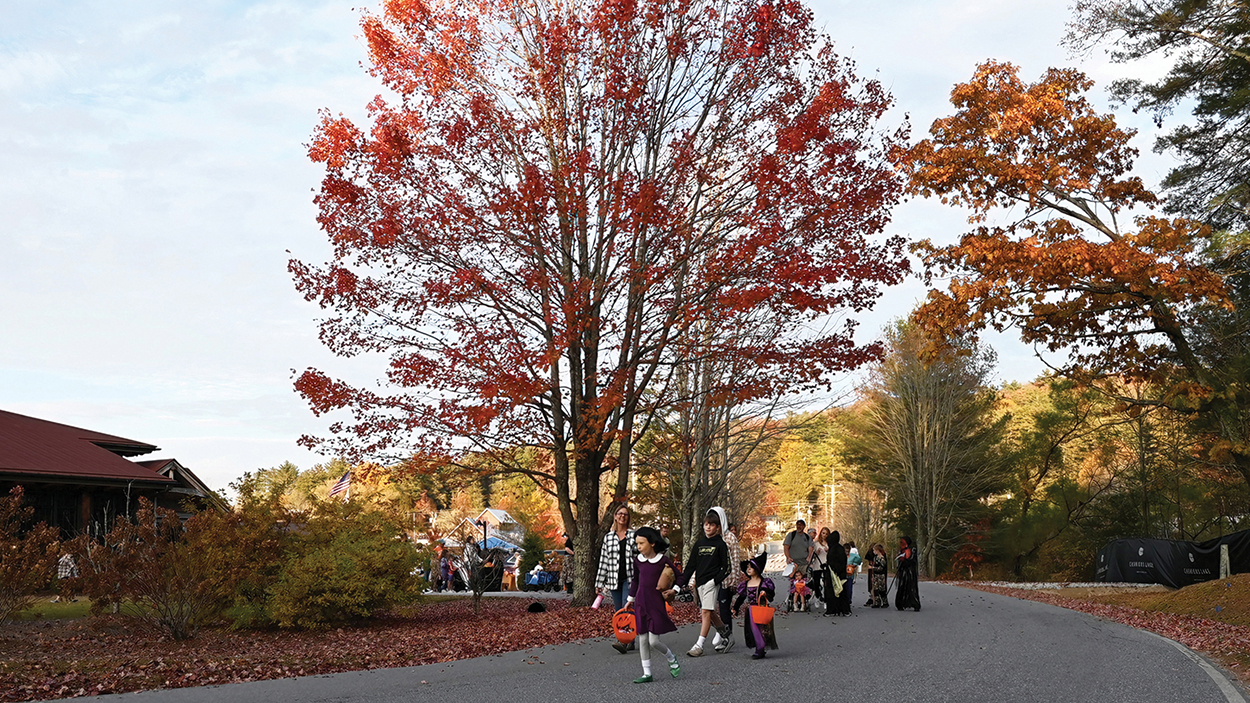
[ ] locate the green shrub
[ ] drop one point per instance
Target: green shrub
(346, 564)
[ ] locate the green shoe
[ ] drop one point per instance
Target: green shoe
(674, 668)
(644, 679)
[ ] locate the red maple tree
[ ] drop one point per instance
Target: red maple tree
(562, 200)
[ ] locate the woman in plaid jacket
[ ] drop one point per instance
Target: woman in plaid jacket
(617, 562)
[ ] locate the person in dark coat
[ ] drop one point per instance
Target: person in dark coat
(906, 576)
(835, 567)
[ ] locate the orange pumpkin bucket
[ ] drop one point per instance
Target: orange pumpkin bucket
(625, 625)
(762, 614)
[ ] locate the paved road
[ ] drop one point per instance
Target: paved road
(964, 646)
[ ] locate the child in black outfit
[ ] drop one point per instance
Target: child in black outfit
(709, 565)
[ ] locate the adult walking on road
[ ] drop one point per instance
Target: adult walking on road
(617, 564)
(906, 576)
(798, 550)
(798, 546)
(877, 582)
(730, 584)
(853, 561)
(820, 555)
(839, 600)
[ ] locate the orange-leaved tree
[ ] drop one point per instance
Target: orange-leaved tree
(560, 200)
(1081, 267)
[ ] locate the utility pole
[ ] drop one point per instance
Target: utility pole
(833, 490)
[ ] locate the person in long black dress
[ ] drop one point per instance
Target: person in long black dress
(835, 566)
(906, 576)
(880, 585)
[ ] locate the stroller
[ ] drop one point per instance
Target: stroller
(811, 593)
(542, 581)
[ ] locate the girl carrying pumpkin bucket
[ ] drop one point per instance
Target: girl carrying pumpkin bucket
(647, 596)
(757, 591)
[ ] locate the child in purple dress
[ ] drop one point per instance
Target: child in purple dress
(756, 590)
(647, 597)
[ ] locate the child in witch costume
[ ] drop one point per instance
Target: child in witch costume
(647, 595)
(756, 590)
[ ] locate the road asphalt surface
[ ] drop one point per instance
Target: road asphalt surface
(964, 646)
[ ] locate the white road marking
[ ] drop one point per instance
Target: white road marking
(1221, 681)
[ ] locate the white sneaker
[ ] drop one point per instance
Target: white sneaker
(695, 651)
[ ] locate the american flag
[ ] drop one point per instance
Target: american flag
(343, 485)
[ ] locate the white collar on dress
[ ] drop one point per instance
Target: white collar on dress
(658, 556)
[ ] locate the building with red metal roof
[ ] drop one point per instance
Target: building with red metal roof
(80, 480)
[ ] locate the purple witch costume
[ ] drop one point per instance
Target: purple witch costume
(649, 611)
(757, 636)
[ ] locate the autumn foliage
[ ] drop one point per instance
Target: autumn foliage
(1081, 268)
(28, 555)
(173, 578)
(1064, 272)
(561, 203)
(259, 566)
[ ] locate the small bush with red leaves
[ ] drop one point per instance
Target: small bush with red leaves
(28, 555)
(172, 576)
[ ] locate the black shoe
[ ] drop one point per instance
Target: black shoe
(621, 647)
(757, 655)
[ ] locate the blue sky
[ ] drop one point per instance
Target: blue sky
(153, 177)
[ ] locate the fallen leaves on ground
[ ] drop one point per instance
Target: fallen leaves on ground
(1227, 643)
(109, 654)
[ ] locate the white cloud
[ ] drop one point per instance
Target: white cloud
(28, 68)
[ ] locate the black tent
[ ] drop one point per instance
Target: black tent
(1169, 562)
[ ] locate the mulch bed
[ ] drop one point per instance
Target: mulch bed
(1226, 643)
(111, 654)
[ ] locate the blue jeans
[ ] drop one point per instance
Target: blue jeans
(619, 594)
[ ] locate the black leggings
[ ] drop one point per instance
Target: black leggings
(818, 583)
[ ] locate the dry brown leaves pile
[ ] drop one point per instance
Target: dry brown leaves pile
(1226, 643)
(43, 660)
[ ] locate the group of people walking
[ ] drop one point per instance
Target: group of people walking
(821, 565)
(636, 573)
